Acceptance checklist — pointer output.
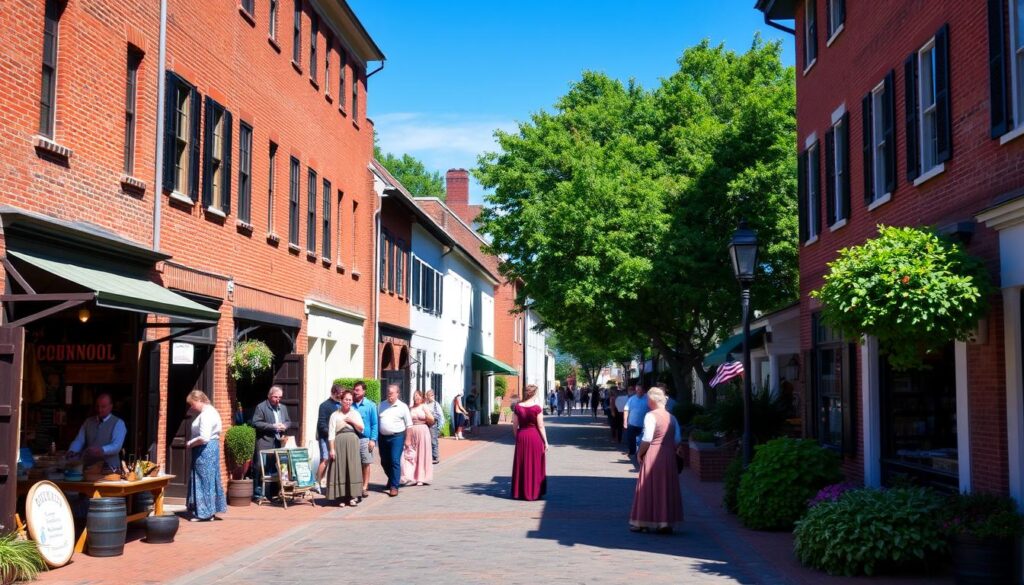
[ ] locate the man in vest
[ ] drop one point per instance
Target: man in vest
(100, 437)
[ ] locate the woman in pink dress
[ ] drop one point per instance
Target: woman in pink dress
(417, 466)
(657, 503)
(529, 478)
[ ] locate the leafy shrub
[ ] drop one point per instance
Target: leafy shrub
(19, 559)
(867, 531)
(240, 444)
(768, 414)
(250, 359)
(982, 516)
(731, 487)
(699, 436)
(500, 387)
(784, 474)
(702, 421)
(372, 386)
(685, 413)
(446, 428)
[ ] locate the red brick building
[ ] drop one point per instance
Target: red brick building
(910, 116)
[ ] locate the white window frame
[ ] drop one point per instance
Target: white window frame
(813, 190)
(183, 138)
(927, 120)
(836, 29)
(1017, 64)
(878, 145)
(809, 16)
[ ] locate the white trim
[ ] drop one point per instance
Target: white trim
(214, 211)
(314, 304)
(808, 68)
(963, 418)
(838, 114)
(832, 38)
(927, 48)
(1015, 133)
(811, 139)
(182, 198)
(1005, 215)
(879, 202)
(934, 172)
(1014, 391)
(837, 225)
(1015, 73)
(871, 412)
(811, 241)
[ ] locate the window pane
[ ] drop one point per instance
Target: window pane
(1018, 17)
(272, 20)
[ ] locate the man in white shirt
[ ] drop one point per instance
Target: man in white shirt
(394, 419)
(101, 436)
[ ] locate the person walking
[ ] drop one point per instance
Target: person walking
(435, 429)
(205, 494)
(345, 474)
(395, 420)
(460, 415)
(635, 410)
(618, 404)
(552, 402)
(560, 396)
(327, 408)
(529, 474)
(657, 502)
(417, 466)
(595, 401)
(368, 436)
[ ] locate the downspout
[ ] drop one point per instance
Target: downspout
(778, 26)
(158, 177)
(374, 286)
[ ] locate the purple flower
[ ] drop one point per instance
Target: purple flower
(830, 493)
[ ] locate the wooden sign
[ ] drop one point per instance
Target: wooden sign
(50, 523)
(75, 352)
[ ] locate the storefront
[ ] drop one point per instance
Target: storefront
(334, 338)
(395, 358)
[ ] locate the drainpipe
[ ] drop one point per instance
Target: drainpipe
(778, 26)
(158, 177)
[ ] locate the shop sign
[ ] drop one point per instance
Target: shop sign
(50, 523)
(182, 354)
(75, 352)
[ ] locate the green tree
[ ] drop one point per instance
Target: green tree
(617, 208)
(412, 173)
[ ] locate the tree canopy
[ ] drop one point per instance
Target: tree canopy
(412, 173)
(616, 209)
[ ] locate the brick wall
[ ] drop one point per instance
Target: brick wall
(709, 462)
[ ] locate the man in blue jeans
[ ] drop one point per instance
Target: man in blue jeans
(634, 412)
(394, 418)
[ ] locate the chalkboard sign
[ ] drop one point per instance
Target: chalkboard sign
(293, 465)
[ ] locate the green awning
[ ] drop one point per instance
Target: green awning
(734, 345)
(119, 289)
(486, 363)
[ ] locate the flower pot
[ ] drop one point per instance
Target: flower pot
(239, 492)
(988, 561)
(495, 416)
(161, 529)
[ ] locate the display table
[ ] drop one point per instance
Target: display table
(111, 489)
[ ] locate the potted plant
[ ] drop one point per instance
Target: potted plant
(239, 444)
(250, 358)
(496, 415)
(983, 531)
(19, 559)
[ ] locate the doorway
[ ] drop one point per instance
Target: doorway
(190, 368)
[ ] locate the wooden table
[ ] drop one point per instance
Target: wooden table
(108, 489)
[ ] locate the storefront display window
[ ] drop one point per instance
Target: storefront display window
(833, 386)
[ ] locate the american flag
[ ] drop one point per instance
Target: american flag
(726, 372)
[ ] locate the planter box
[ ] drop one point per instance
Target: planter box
(710, 461)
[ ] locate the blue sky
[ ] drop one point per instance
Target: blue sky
(458, 70)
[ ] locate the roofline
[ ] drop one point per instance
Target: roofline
(455, 215)
(341, 13)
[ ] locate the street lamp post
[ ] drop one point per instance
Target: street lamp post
(743, 250)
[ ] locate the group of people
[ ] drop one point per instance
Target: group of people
(563, 400)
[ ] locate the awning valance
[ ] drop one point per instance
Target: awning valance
(486, 363)
(734, 345)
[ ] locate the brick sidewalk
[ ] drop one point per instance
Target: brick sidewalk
(200, 544)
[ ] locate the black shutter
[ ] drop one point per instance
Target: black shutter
(226, 165)
(842, 10)
(828, 17)
(830, 175)
(866, 124)
(912, 111)
(845, 183)
(943, 110)
(801, 194)
(193, 161)
(814, 166)
(889, 131)
(207, 152)
(850, 400)
(415, 292)
(170, 131)
(999, 106)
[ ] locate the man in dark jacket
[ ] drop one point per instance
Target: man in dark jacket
(327, 408)
(271, 421)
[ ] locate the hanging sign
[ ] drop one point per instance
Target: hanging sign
(50, 523)
(182, 353)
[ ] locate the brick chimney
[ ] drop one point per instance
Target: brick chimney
(457, 191)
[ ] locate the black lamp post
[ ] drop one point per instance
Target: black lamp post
(743, 250)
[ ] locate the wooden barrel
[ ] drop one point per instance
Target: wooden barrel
(107, 526)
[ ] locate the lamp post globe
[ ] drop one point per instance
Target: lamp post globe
(743, 251)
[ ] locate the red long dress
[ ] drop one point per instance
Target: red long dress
(529, 478)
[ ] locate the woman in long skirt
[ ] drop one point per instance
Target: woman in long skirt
(345, 473)
(417, 462)
(205, 494)
(529, 474)
(657, 503)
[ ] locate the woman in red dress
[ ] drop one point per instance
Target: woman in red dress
(657, 502)
(529, 478)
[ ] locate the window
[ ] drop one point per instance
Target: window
(355, 96)
(1006, 78)
(400, 267)
(48, 89)
(833, 387)
(809, 193)
(311, 205)
(245, 172)
(837, 171)
(836, 15)
(130, 99)
(355, 234)
(879, 142)
(314, 30)
(181, 138)
(929, 134)
(415, 292)
(297, 32)
(272, 20)
(810, 33)
(392, 260)
(1017, 9)
(217, 158)
(327, 193)
(293, 203)
(929, 140)
(327, 67)
(341, 201)
(247, 5)
(382, 251)
(341, 78)
(271, 178)
(472, 305)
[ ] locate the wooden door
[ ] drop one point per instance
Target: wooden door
(399, 378)
(289, 378)
(182, 379)
(12, 343)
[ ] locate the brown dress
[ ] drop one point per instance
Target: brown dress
(657, 502)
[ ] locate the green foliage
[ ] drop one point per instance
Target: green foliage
(912, 289)
(982, 516)
(500, 387)
(240, 444)
(731, 485)
(783, 475)
(768, 414)
(704, 422)
(446, 428)
(868, 531)
(616, 207)
(19, 559)
(372, 387)
(702, 436)
(250, 358)
(563, 367)
(685, 412)
(412, 174)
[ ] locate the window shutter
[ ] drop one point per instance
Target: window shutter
(889, 131)
(170, 131)
(850, 400)
(999, 106)
(816, 169)
(193, 160)
(866, 125)
(845, 184)
(415, 291)
(812, 29)
(842, 11)
(207, 152)
(226, 185)
(943, 111)
(912, 112)
(801, 194)
(830, 175)
(440, 293)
